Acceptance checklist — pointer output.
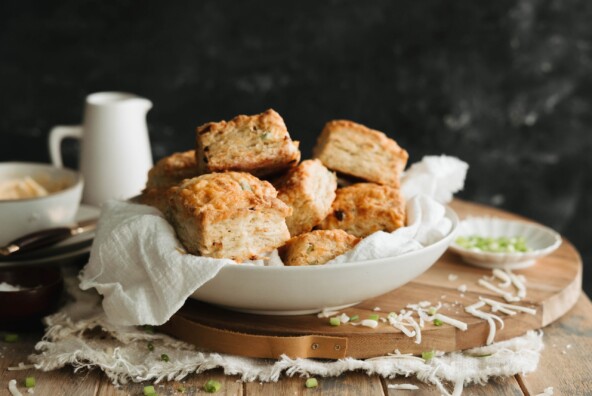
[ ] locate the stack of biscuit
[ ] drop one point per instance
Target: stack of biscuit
(242, 191)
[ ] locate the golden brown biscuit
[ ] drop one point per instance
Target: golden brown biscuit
(259, 144)
(316, 247)
(364, 208)
(155, 197)
(228, 215)
(355, 150)
(172, 170)
(309, 189)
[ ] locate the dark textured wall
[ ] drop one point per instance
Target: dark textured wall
(504, 85)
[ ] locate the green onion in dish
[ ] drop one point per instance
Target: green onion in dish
(494, 245)
(149, 391)
(164, 357)
(354, 318)
(428, 355)
(335, 321)
(374, 317)
(437, 322)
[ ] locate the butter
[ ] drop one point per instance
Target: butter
(21, 188)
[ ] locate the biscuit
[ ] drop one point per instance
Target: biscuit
(259, 144)
(358, 151)
(364, 208)
(172, 170)
(316, 247)
(228, 215)
(155, 197)
(309, 189)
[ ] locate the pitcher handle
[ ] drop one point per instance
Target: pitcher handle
(56, 135)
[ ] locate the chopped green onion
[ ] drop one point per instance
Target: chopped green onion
(437, 322)
(311, 383)
(181, 389)
(30, 382)
(164, 357)
(11, 337)
(150, 346)
(374, 317)
(148, 329)
(354, 318)
(335, 321)
(212, 386)
(432, 310)
(149, 390)
(428, 355)
(495, 245)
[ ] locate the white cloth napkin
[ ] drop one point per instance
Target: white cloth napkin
(140, 268)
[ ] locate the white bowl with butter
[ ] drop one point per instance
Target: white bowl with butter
(36, 196)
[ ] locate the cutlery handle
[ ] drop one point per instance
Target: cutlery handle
(40, 239)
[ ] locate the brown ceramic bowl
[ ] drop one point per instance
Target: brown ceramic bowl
(41, 289)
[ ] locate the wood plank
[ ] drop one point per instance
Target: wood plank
(507, 386)
(47, 383)
(566, 362)
(191, 385)
(554, 283)
(353, 384)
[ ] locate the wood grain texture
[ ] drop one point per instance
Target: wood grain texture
(554, 285)
(568, 373)
(191, 385)
(566, 361)
(351, 384)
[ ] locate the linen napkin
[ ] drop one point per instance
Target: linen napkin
(144, 275)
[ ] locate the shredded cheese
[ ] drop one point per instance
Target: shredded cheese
(499, 306)
(509, 297)
(21, 366)
(402, 386)
(452, 322)
(13, 389)
(503, 276)
(547, 392)
(369, 323)
(325, 313)
(518, 284)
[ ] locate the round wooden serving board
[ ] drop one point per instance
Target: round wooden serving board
(554, 284)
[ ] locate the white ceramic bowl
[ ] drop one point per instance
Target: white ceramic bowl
(539, 239)
(308, 289)
(22, 216)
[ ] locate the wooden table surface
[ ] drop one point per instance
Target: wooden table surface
(565, 365)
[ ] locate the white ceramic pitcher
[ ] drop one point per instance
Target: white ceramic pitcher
(115, 149)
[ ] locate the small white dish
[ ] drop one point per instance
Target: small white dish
(65, 251)
(58, 208)
(310, 289)
(539, 239)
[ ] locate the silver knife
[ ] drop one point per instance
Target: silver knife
(48, 237)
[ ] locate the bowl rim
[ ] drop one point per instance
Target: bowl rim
(78, 180)
(557, 239)
(449, 213)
